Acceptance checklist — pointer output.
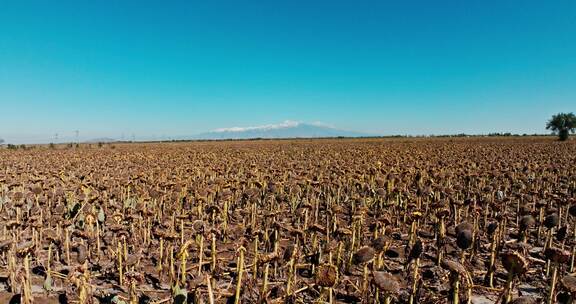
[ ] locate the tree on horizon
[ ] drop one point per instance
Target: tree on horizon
(562, 124)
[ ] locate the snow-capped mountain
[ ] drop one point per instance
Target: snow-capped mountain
(287, 129)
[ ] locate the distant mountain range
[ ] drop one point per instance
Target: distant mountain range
(287, 129)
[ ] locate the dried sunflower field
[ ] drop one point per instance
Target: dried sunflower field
(460, 220)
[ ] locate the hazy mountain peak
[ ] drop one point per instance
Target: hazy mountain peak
(286, 129)
(285, 124)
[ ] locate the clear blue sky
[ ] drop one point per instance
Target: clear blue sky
(172, 68)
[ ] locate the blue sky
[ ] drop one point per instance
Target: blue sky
(171, 68)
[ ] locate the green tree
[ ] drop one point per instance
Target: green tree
(562, 124)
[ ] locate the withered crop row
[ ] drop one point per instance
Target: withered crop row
(300, 221)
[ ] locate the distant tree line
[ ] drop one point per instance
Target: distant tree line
(16, 147)
(495, 134)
